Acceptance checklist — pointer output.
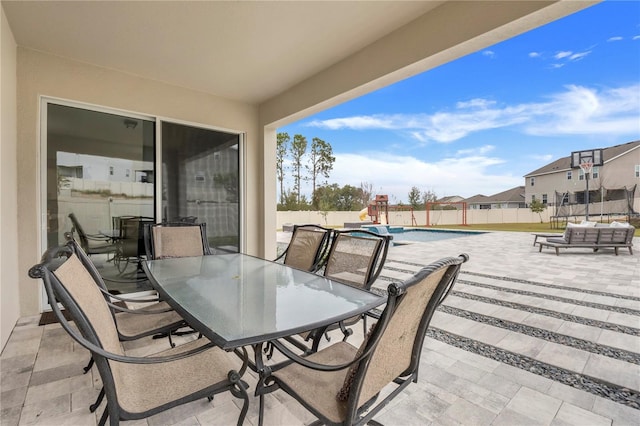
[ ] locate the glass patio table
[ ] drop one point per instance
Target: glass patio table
(237, 299)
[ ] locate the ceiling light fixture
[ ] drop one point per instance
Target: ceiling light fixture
(130, 124)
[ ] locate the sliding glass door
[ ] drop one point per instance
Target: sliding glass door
(201, 181)
(103, 170)
(99, 167)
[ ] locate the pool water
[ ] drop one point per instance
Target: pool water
(401, 234)
(426, 235)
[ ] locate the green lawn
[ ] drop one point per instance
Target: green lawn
(515, 227)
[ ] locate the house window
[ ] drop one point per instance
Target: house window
(110, 170)
(544, 198)
(127, 172)
(533, 197)
(569, 174)
(595, 172)
(638, 170)
(533, 181)
(581, 175)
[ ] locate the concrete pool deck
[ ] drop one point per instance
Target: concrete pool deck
(526, 338)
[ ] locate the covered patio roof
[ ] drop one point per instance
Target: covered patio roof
(292, 55)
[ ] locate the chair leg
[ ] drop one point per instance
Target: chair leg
(87, 368)
(239, 388)
(103, 418)
(93, 407)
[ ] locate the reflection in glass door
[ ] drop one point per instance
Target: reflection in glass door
(99, 168)
(201, 181)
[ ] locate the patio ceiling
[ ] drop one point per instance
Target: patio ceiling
(249, 51)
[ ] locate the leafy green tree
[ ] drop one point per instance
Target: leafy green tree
(291, 202)
(321, 161)
(333, 197)
(537, 206)
(298, 150)
(414, 197)
(281, 155)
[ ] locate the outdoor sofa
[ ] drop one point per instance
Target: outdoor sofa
(594, 236)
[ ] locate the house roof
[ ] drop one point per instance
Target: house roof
(294, 54)
(513, 195)
(478, 198)
(564, 163)
(450, 199)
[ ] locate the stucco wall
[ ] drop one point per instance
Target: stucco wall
(46, 75)
(439, 217)
(9, 289)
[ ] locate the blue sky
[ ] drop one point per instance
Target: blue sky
(479, 124)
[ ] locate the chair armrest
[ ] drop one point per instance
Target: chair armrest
(127, 300)
(113, 356)
(141, 311)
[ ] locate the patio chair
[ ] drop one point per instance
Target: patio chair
(156, 318)
(91, 243)
(135, 387)
(131, 246)
(175, 239)
(340, 383)
(307, 248)
(356, 258)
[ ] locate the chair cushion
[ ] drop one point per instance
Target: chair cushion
(137, 325)
(142, 387)
(557, 240)
(318, 388)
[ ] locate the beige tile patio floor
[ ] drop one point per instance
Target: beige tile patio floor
(526, 338)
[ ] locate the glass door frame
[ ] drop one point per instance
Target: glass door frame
(42, 128)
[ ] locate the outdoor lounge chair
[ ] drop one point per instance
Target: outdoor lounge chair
(307, 248)
(135, 387)
(340, 383)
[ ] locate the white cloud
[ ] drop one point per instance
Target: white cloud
(616, 38)
(578, 56)
(581, 110)
(577, 110)
(534, 54)
(557, 65)
(461, 175)
(357, 122)
(475, 103)
(563, 54)
(489, 53)
(636, 37)
(481, 150)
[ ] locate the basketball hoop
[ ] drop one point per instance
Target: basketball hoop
(586, 166)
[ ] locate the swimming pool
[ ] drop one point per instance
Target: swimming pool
(426, 235)
(401, 234)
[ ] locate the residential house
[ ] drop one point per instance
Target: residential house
(198, 78)
(559, 184)
(509, 199)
